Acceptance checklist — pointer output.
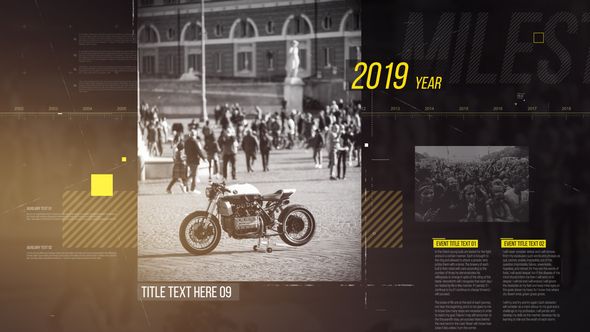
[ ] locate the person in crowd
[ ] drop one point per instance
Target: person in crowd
(330, 119)
(228, 144)
(177, 137)
(160, 138)
(255, 125)
(179, 169)
(225, 119)
(283, 117)
(290, 131)
(322, 122)
(194, 153)
(237, 120)
(275, 129)
(316, 142)
(207, 130)
(358, 145)
(152, 136)
(250, 148)
(217, 114)
(193, 125)
(155, 113)
(425, 209)
(471, 209)
(336, 112)
(496, 206)
(283, 104)
(342, 152)
(212, 149)
(333, 146)
(306, 127)
(450, 210)
(517, 197)
(166, 128)
(265, 141)
(143, 111)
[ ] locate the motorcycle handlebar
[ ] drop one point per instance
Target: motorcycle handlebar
(221, 187)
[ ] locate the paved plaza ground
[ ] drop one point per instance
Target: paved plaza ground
(334, 254)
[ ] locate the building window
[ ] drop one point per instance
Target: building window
(298, 26)
(194, 62)
(353, 22)
(328, 57)
(171, 34)
(171, 64)
(302, 58)
(244, 29)
(270, 60)
(148, 35)
(217, 59)
(148, 64)
(145, 3)
(327, 23)
(354, 53)
(193, 32)
(270, 27)
(218, 30)
(244, 61)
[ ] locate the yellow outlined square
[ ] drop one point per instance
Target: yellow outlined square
(538, 37)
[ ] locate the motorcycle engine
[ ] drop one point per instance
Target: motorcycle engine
(244, 221)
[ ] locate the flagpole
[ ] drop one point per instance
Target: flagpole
(203, 74)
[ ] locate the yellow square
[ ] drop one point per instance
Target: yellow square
(538, 37)
(123, 159)
(101, 185)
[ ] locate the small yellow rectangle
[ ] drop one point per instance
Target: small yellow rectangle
(538, 37)
(101, 185)
(123, 159)
(438, 243)
(522, 243)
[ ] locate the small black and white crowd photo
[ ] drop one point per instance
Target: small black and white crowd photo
(471, 184)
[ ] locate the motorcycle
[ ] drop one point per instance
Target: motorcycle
(243, 213)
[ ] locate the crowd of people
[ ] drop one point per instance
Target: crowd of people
(491, 190)
(335, 131)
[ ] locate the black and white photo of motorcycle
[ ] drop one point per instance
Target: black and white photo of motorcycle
(243, 213)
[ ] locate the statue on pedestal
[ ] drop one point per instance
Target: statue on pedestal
(293, 86)
(293, 61)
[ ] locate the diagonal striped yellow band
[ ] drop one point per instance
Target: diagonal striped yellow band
(382, 213)
(99, 221)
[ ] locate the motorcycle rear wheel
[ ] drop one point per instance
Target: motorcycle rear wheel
(197, 226)
(297, 225)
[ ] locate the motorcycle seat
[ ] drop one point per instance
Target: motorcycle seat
(278, 195)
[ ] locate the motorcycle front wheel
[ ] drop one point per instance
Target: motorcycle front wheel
(297, 225)
(200, 233)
